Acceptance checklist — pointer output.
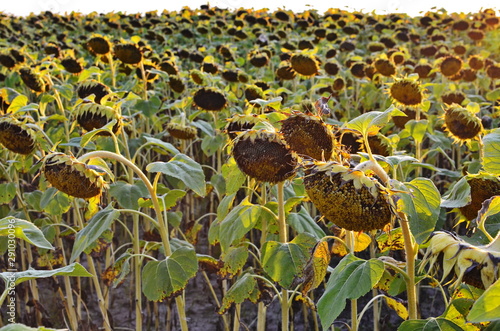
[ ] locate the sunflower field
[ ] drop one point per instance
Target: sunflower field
(215, 169)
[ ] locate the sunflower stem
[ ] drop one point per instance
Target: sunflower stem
(411, 253)
(283, 236)
(354, 303)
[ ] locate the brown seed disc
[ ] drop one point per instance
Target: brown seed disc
(176, 84)
(461, 124)
(345, 199)
(180, 131)
(32, 80)
(90, 87)
(285, 73)
(208, 98)
(72, 65)
(230, 75)
(7, 61)
(331, 68)
(481, 189)
(450, 66)
(493, 71)
(423, 71)
(99, 45)
(264, 156)
(16, 138)
(406, 92)
(304, 65)
(69, 180)
(385, 67)
(307, 135)
(128, 53)
(476, 62)
(453, 97)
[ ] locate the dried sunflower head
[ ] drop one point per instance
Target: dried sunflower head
(308, 135)
(241, 122)
(209, 98)
(406, 92)
(471, 264)
(304, 64)
(263, 155)
(483, 186)
(450, 65)
(70, 176)
(89, 87)
(90, 116)
(181, 131)
(461, 123)
(385, 67)
(16, 136)
(128, 53)
(99, 45)
(348, 198)
(453, 97)
(33, 80)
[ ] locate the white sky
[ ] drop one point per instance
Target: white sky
(412, 7)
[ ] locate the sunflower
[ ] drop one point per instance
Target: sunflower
(263, 155)
(462, 124)
(304, 64)
(16, 136)
(209, 98)
(348, 198)
(407, 92)
(70, 176)
(90, 116)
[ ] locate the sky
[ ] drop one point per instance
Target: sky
(411, 7)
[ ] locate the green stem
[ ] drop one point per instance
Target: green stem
(411, 254)
(283, 236)
(354, 303)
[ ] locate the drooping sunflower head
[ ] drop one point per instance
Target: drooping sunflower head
(348, 198)
(72, 65)
(128, 53)
(16, 136)
(308, 135)
(406, 92)
(181, 131)
(263, 155)
(99, 45)
(385, 67)
(453, 97)
(241, 122)
(70, 176)
(91, 115)
(483, 186)
(89, 87)
(450, 65)
(471, 264)
(209, 98)
(305, 64)
(461, 123)
(33, 80)
(285, 71)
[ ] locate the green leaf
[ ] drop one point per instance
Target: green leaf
(284, 262)
(65, 90)
(245, 288)
(493, 95)
(24, 230)
(233, 175)
(7, 192)
(166, 201)
(127, 194)
(54, 202)
(74, 269)
(234, 260)
(351, 279)
(430, 324)
(87, 137)
(167, 278)
(22, 327)
(370, 123)
(169, 148)
(16, 104)
(302, 222)
(458, 195)
(149, 107)
(240, 220)
(487, 307)
(211, 144)
(417, 129)
(426, 200)
(491, 143)
(99, 223)
(185, 169)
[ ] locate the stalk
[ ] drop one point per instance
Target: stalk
(354, 302)
(162, 225)
(283, 236)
